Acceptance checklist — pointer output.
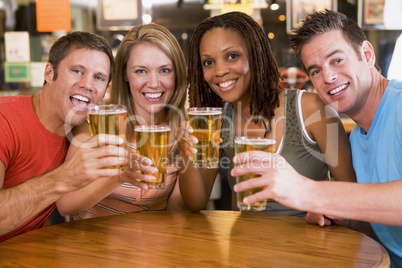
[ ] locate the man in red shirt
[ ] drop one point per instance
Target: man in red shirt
(33, 139)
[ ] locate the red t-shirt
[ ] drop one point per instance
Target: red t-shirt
(27, 149)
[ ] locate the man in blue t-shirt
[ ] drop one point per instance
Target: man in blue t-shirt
(340, 62)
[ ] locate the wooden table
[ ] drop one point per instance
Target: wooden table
(185, 239)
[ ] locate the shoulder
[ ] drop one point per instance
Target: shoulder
(311, 104)
(310, 99)
(15, 111)
(316, 114)
(9, 104)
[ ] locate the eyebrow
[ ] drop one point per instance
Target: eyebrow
(224, 50)
(145, 67)
(327, 57)
(83, 67)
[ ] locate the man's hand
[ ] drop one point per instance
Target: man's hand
(94, 159)
(278, 178)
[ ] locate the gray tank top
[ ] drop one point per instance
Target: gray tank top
(296, 147)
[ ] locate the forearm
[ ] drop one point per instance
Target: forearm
(196, 186)
(176, 201)
(377, 203)
(26, 200)
(78, 201)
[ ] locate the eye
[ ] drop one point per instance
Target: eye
(314, 72)
(233, 56)
(166, 70)
(337, 61)
(207, 62)
(140, 71)
(100, 78)
(78, 71)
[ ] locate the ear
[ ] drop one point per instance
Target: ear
(49, 73)
(368, 54)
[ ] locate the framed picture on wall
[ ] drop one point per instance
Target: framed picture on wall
(371, 13)
(114, 15)
(297, 9)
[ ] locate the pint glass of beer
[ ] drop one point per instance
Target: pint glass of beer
(108, 119)
(206, 123)
(243, 144)
(153, 142)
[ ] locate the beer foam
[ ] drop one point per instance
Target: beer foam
(107, 109)
(151, 129)
(205, 112)
(254, 141)
(103, 112)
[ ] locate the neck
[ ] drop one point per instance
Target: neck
(47, 116)
(145, 118)
(244, 126)
(365, 115)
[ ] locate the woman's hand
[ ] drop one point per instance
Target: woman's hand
(187, 141)
(132, 170)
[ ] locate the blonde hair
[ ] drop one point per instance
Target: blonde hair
(161, 37)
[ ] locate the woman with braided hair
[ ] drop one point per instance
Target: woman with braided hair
(231, 65)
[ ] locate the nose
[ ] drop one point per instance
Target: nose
(153, 80)
(329, 75)
(86, 82)
(221, 68)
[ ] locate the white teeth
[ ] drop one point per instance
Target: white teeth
(81, 98)
(153, 95)
(226, 84)
(338, 89)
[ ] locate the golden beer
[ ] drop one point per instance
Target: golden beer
(206, 123)
(153, 143)
(243, 144)
(107, 119)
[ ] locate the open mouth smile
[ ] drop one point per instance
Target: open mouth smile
(79, 101)
(153, 95)
(226, 84)
(338, 89)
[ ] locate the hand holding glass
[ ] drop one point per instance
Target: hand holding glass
(206, 123)
(153, 143)
(108, 119)
(243, 144)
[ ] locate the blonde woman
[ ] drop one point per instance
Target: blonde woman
(150, 80)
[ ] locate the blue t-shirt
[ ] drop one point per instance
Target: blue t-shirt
(377, 155)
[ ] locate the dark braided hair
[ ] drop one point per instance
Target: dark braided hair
(264, 69)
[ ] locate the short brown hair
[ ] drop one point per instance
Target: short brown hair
(324, 21)
(77, 40)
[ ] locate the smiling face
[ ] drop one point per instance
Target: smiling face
(224, 59)
(150, 74)
(341, 78)
(82, 80)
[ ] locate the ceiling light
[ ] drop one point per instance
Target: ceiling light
(274, 5)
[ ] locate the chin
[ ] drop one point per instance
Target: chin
(75, 119)
(158, 109)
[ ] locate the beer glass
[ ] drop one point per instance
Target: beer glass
(243, 144)
(206, 123)
(153, 143)
(108, 119)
